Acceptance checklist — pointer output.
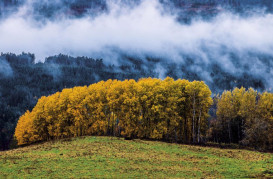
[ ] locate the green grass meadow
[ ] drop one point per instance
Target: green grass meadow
(110, 157)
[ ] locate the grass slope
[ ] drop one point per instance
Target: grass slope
(88, 157)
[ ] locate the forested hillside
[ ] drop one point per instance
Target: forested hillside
(23, 81)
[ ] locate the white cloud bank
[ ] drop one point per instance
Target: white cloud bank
(143, 30)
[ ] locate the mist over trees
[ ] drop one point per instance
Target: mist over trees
(208, 49)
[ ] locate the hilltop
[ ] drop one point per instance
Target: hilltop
(115, 157)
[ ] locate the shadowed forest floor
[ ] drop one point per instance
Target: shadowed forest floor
(110, 157)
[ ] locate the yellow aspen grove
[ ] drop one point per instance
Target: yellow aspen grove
(76, 110)
(260, 131)
(200, 100)
(129, 115)
(58, 114)
(41, 122)
(24, 129)
(245, 117)
(247, 111)
(225, 112)
(182, 108)
(203, 104)
(149, 108)
(172, 102)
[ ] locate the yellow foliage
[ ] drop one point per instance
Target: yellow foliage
(149, 108)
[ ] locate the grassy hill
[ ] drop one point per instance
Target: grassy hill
(87, 157)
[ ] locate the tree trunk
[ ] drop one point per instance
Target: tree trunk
(238, 131)
(193, 121)
(186, 130)
(229, 131)
(199, 125)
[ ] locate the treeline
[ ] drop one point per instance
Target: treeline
(168, 110)
(244, 117)
(149, 108)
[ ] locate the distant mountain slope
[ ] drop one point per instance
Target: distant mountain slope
(76, 8)
(105, 157)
